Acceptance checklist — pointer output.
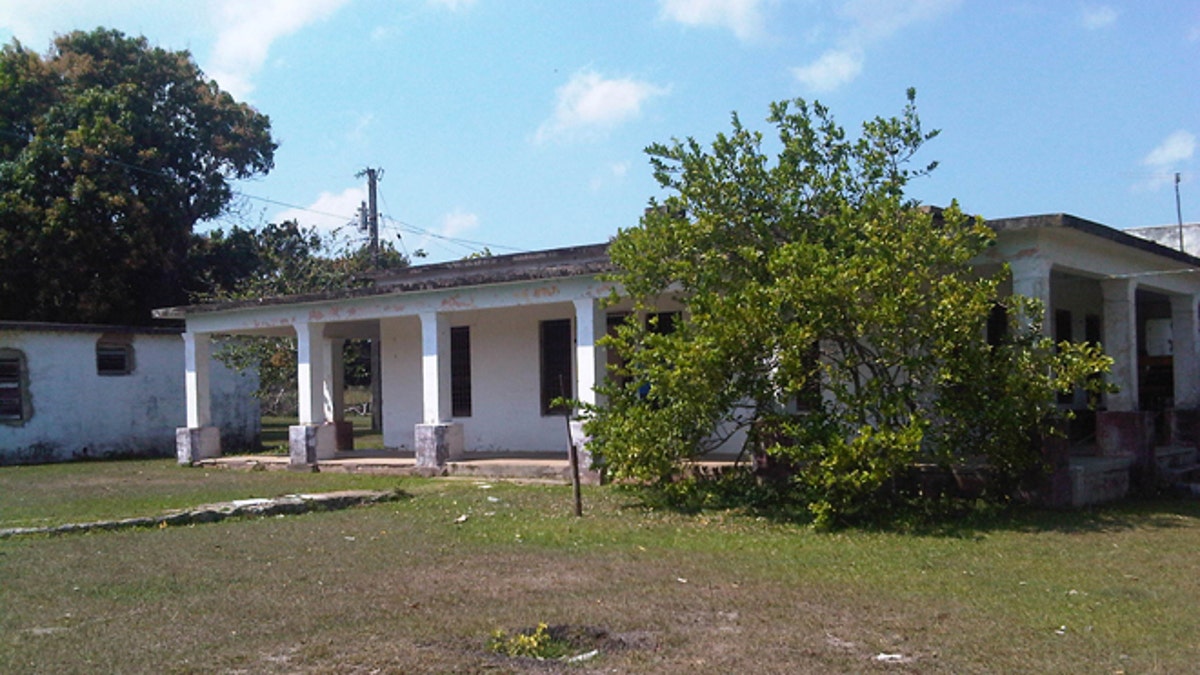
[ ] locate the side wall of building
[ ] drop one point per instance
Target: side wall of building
(74, 412)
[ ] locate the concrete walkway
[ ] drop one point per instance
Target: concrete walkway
(212, 513)
(527, 466)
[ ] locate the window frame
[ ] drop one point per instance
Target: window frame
(460, 371)
(556, 367)
(110, 347)
(18, 381)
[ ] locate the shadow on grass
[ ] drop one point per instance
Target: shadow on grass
(958, 519)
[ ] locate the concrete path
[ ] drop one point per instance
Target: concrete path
(211, 513)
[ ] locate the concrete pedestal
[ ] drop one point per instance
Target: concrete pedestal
(588, 472)
(193, 444)
(310, 443)
(437, 444)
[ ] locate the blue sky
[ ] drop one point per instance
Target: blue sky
(521, 125)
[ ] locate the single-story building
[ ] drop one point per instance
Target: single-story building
(474, 352)
(73, 391)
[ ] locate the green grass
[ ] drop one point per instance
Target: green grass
(412, 586)
(275, 433)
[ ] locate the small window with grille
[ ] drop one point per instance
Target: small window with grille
(14, 398)
(114, 356)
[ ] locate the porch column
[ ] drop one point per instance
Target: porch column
(312, 439)
(313, 372)
(1185, 327)
(199, 439)
(1031, 278)
(590, 326)
(437, 440)
(1120, 341)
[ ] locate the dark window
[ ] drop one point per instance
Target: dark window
(460, 371)
(114, 357)
(1062, 326)
(1092, 331)
(557, 382)
(12, 396)
(662, 323)
(997, 325)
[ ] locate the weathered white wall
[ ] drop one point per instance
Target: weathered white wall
(78, 414)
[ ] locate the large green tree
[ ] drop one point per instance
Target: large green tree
(111, 150)
(828, 318)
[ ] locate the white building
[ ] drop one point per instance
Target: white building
(474, 351)
(70, 391)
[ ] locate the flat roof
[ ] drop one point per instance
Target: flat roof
(533, 265)
(52, 327)
(593, 259)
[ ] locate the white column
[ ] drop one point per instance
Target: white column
(1184, 330)
(197, 355)
(1031, 278)
(1120, 341)
(312, 369)
(590, 363)
(435, 367)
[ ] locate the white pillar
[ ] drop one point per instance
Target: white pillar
(1031, 278)
(590, 363)
(312, 372)
(197, 355)
(1120, 341)
(435, 367)
(1185, 327)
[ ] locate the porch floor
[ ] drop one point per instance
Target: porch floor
(539, 466)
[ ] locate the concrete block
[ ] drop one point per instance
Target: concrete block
(437, 444)
(311, 443)
(193, 444)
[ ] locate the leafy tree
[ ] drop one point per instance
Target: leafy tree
(829, 319)
(111, 150)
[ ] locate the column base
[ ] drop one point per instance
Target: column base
(588, 471)
(193, 444)
(310, 443)
(437, 444)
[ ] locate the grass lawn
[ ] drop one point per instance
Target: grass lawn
(413, 586)
(275, 433)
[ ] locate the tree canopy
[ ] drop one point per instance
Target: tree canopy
(829, 320)
(111, 150)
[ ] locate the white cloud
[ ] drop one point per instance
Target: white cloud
(248, 29)
(868, 22)
(330, 212)
(1096, 17)
(743, 17)
(1164, 160)
(458, 222)
(1178, 147)
(589, 103)
(832, 70)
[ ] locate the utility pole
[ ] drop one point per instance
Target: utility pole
(373, 176)
(1179, 213)
(372, 218)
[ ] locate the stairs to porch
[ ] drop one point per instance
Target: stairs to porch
(1179, 467)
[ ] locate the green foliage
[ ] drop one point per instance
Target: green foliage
(835, 323)
(111, 150)
(538, 644)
